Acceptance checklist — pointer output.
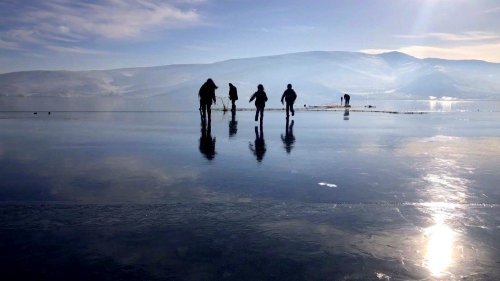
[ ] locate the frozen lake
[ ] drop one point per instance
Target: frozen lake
(331, 196)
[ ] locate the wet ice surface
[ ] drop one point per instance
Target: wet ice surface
(155, 196)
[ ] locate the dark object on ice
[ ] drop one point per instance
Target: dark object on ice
(48, 113)
(346, 114)
(35, 113)
(259, 146)
(207, 95)
(347, 98)
(233, 124)
(341, 100)
(260, 102)
(304, 105)
(370, 106)
(207, 142)
(290, 96)
(288, 139)
(233, 96)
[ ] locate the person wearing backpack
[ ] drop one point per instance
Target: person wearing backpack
(289, 96)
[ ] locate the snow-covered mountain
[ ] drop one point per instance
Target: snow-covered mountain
(318, 77)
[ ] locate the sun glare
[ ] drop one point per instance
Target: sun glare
(439, 255)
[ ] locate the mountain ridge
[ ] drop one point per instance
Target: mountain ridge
(318, 76)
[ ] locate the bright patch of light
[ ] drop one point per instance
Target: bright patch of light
(439, 255)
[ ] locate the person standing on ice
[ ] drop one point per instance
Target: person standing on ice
(290, 96)
(260, 98)
(347, 99)
(207, 95)
(233, 96)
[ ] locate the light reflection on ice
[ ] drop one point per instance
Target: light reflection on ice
(327, 184)
(440, 243)
(443, 105)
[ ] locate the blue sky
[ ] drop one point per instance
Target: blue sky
(104, 34)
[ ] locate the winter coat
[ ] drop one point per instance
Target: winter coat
(289, 95)
(207, 92)
(260, 98)
(233, 92)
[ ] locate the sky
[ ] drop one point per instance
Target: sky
(108, 34)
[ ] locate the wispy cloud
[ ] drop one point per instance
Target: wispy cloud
(491, 10)
(59, 22)
(465, 36)
(487, 52)
(8, 45)
(75, 50)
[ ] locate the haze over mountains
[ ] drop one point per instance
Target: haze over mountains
(318, 77)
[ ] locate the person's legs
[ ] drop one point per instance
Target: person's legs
(257, 113)
(209, 111)
(261, 114)
(287, 108)
(291, 109)
(203, 110)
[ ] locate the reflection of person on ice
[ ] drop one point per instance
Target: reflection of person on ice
(260, 98)
(289, 95)
(207, 95)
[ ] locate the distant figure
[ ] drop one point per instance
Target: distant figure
(346, 114)
(259, 146)
(207, 142)
(290, 96)
(207, 95)
(260, 102)
(233, 96)
(233, 124)
(289, 139)
(347, 98)
(341, 100)
(35, 113)
(48, 113)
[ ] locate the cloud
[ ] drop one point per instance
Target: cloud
(488, 52)
(491, 10)
(8, 45)
(75, 50)
(111, 18)
(59, 22)
(465, 36)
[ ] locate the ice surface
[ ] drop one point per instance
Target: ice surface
(131, 196)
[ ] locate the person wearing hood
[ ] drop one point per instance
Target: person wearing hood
(207, 95)
(233, 96)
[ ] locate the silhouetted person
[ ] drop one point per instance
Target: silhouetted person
(233, 124)
(260, 102)
(233, 96)
(346, 114)
(259, 146)
(341, 100)
(290, 96)
(207, 142)
(347, 98)
(288, 139)
(207, 95)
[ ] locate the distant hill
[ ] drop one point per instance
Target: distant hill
(318, 77)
